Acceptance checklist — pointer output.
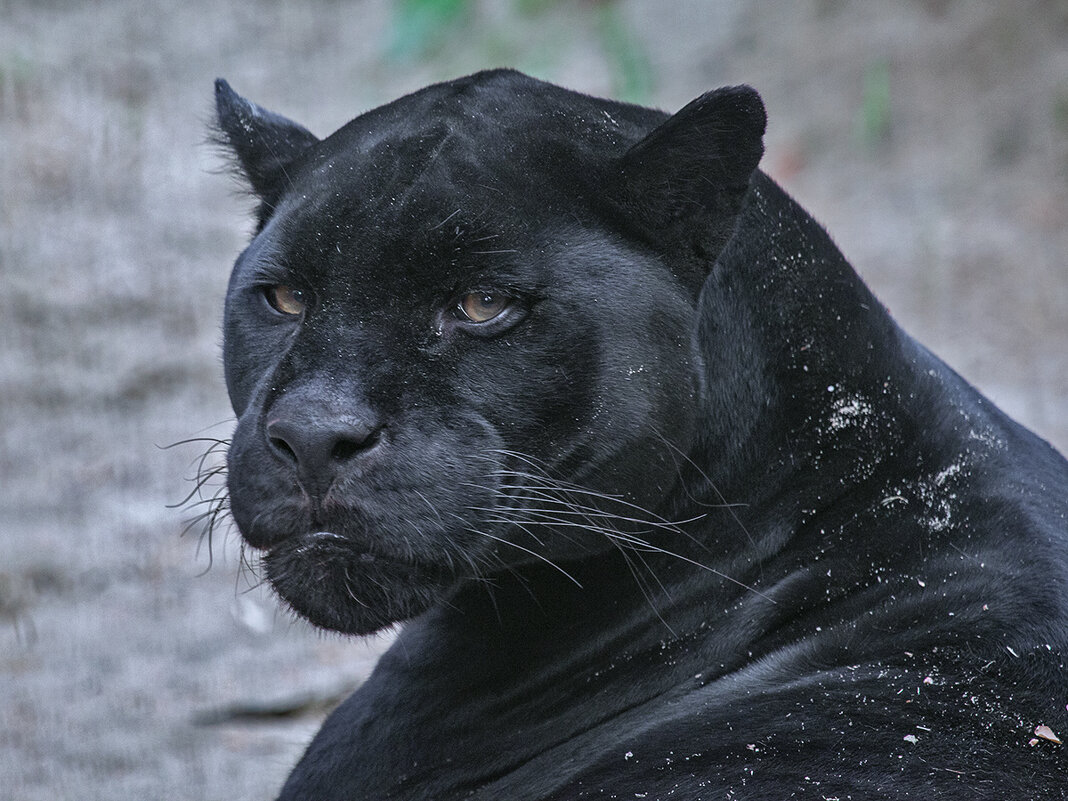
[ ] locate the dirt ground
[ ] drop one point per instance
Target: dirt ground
(930, 137)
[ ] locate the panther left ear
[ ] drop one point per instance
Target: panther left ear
(265, 143)
(688, 177)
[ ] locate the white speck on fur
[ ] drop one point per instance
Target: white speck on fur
(949, 472)
(849, 411)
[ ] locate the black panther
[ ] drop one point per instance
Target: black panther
(666, 503)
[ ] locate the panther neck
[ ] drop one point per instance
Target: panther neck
(800, 360)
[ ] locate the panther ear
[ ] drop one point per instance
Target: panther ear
(264, 143)
(688, 177)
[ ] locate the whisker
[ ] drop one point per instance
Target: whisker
(659, 523)
(723, 501)
(593, 511)
(630, 540)
(201, 481)
(642, 587)
(191, 440)
(207, 475)
(603, 496)
(436, 227)
(535, 554)
(348, 587)
(437, 514)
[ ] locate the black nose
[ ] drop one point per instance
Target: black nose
(321, 447)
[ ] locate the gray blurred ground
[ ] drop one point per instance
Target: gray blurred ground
(949, 194)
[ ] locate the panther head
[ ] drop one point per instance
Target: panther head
(461, 338)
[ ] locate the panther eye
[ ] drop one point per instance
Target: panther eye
(481, 307)
(286, 299)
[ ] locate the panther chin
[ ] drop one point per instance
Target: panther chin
(325, 578)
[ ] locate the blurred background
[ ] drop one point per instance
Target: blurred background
(930, 136)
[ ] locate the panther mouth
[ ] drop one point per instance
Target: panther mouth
(317, 539)
(341, 585)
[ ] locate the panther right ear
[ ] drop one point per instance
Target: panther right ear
(265, 144)
(684, 183)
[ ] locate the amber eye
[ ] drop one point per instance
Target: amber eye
(286, 299)
(481, 307)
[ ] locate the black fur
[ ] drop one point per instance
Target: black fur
(690, 518)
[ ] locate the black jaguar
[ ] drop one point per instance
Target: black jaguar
(667, 504)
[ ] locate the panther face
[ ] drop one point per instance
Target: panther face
(450, 347)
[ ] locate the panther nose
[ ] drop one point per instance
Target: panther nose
(319, 448)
